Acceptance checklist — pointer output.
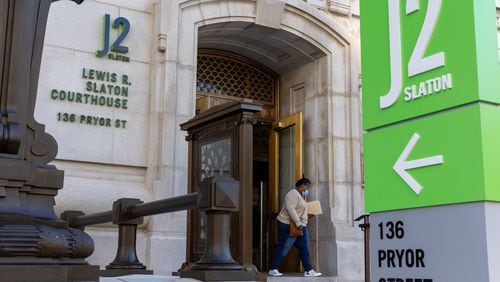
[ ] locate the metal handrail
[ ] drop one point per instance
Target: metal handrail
(216, 198)
(185, 202)
(91, 219)
(128, 214)
(174, 204)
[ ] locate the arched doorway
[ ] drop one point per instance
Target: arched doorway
(223, 78)
(228, 72)
(324, 88)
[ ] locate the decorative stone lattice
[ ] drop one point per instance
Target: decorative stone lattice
(225, 76)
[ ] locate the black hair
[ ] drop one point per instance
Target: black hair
(302, 181)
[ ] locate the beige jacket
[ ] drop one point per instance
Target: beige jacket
(294, 209)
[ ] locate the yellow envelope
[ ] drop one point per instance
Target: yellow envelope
(314, 207)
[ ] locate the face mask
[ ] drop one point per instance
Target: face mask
(305, 193)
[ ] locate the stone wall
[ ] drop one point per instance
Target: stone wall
(148, 159)
(103, 148)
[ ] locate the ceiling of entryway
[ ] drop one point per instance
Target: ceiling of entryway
(277, 49)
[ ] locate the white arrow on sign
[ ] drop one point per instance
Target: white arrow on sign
(402, 165)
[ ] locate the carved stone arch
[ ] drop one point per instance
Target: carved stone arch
(340, 95)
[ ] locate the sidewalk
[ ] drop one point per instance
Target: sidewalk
(146, 278)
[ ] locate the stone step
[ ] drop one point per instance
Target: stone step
(297, 277)
(287, 277)
(146, 278)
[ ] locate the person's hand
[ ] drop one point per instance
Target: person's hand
(301, 227)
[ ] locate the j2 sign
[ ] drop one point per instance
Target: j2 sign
(117, 44)
(423, 56)
(418, 63)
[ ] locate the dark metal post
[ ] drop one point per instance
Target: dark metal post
(126, 261)
(218, 198)
(217, 254)
(365, 227)
(245, 177)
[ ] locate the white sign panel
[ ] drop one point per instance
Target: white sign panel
(434, 244)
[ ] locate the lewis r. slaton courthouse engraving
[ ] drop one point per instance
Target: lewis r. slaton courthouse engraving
(30, 232)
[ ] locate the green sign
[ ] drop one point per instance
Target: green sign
(423, 56)
(450, 157)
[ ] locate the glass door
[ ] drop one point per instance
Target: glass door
(285, 170)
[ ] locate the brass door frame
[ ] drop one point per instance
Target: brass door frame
(274, 207)
(291, 120)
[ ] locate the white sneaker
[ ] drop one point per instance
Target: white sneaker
(275, 272)
(312, 273)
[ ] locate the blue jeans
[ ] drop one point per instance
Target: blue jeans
(285, 242)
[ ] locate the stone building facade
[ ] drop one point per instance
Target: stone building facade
(119, 77)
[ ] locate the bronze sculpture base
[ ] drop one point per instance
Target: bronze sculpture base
(43, 250)
(123, 272)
